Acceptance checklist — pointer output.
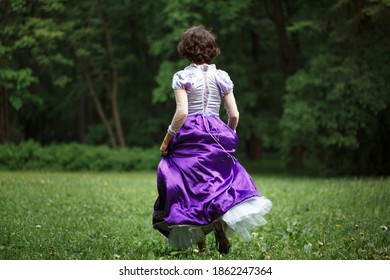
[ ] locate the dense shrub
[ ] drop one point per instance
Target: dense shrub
(30, 155)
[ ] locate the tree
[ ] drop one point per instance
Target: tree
(311, 77)
(26, 35)
(281, 13)
(91, 39)
(337, 104)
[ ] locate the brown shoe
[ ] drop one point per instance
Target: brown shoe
(222, 241)
(202, 246)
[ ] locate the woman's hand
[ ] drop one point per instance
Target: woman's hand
(164, 145)
(164, 148)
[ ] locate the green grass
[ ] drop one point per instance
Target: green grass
(108, 216)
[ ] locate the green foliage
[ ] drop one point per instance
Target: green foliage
(337, 103)
(17, 82)
(313, 74)
(76, 157)
(29, 40)
(94, 216)
(355, 95)
(164, 81)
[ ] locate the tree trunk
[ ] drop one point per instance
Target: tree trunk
(4, 116)
(115, 108)
(82, 118)
(283, 41)
(296, 162)
(254, 144)
(98, 105)
(99, 108)
(254, 147)
(295, 42)
(115, 78)
(290, 57)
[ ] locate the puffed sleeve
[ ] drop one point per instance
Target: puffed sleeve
(182, 80)
(224, 83)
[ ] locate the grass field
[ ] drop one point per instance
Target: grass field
(108, 216)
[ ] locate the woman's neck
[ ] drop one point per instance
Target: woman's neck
(200, 64)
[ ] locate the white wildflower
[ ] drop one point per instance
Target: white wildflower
(383, 227)
(307, 247)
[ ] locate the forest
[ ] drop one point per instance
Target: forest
(312, 78)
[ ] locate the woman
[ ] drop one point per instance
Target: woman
(201, 185)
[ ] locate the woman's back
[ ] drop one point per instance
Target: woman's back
(205, 86)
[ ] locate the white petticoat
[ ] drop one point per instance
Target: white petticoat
(240, 219)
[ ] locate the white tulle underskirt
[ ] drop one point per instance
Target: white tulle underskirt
(240, 219)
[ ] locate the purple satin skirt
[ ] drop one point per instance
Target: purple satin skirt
(200, 180)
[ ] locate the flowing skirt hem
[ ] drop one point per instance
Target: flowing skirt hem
(240, 219)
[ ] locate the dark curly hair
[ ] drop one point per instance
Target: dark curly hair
(198, 45)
